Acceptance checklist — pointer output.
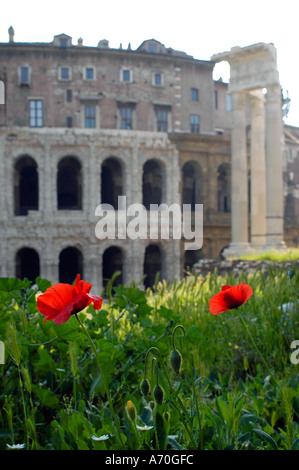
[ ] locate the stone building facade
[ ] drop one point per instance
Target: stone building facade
(82, 126)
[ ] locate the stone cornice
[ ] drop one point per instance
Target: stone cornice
(114, 53)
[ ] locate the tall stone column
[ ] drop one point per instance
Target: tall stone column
(274, 168)
(258, 170)
(239, 180)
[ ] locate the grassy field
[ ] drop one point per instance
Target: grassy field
(237, 388)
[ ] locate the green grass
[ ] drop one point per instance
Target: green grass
(52, 396)
(290, 254)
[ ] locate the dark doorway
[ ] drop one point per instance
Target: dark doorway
(26, 186)
(192, 184)
(224, 188)
(111, 182)
(70, 264)
(69, 184)
(152, 264)
(27, 264)
(112, 262)
(152, 183)
(190, 258)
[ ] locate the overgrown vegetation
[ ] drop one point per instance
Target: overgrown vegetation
(54, 398)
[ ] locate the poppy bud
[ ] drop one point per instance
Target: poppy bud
(152, 405)
(291, 273)
(158, 394)
(131, 410)
(144, 387)
(175, 360)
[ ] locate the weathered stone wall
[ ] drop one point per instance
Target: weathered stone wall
(49, 230)
(225, 267)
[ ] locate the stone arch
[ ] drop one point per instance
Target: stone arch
(192, 191)
(153, 183)
(27, 264)
(152, 264)
(25, 185)
(224, 187)
(70, 264)
(112, 184)
(69, 184)
(112, 261)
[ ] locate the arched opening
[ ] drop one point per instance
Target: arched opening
(112, 262)
(69, 184)
(70, 264)
(224, 188)
(192, 184)
(26, 186)
(27, 264)
(152, 183)
(111, 182)
(190, 258)
(152, 264)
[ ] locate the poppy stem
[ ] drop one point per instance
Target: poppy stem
(103, 377)
(173, 334)
(257, 349)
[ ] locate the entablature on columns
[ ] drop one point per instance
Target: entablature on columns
(251, 67)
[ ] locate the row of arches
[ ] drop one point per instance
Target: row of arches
(71, 263)
(70, 184)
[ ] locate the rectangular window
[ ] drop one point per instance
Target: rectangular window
(69, 121)
(69, 96)
(228, 103)
(158, 79)
(162, 118)
(126, 75)
(126, 118)
(90, 117)
(36, 113)
(152, 48)
(194, 94)
(24, 75)
(215, 99)
(89, 73)
(194, 123)
(62, 42)
(64, 72)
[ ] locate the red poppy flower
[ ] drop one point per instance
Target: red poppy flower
(60, 301)
(230, 297)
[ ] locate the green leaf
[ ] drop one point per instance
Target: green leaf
(12, 284)
(222, 410)
(46, 397)
(295, 445)
(45, 360)
(161, 430)
(42, 284)
(267, 438)
(173, 443)
(69, 330)
(146, 415)
(97, 386)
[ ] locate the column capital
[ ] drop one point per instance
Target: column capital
(256, 96)
(257, 103)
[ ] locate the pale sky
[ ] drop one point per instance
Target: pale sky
(199, 28)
